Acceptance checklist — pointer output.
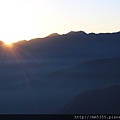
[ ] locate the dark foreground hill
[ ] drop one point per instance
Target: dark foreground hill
(103, 101)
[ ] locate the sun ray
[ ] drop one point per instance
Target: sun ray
(15, 53)
(7, 53)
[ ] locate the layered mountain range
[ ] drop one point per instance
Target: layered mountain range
(44, 74)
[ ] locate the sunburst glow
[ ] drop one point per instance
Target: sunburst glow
(17, 21)
(9, 44)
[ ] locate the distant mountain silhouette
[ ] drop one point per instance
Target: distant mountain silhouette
(104, 101)
(80, 42)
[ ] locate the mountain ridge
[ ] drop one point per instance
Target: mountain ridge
(75, 33)
(67, 34)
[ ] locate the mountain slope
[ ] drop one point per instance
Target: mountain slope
(104, 101)
(42, 94)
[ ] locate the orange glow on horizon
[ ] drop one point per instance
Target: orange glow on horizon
(7, 44)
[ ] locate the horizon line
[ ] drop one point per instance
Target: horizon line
(55, 34)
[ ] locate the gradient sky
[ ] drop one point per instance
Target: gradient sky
(26, 19)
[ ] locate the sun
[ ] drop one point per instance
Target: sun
(9, 43)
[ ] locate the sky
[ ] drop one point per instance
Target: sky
(27, 19)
